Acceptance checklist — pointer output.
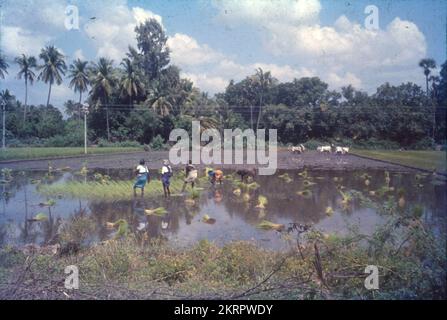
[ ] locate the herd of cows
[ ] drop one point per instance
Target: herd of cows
(328, 148)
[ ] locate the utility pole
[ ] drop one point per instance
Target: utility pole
(4, 124)
(85, 111)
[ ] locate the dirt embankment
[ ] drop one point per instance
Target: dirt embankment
(285, 160)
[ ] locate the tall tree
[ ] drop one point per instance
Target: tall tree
(151, 41)
(103, 82)
(79, 80)
(427, 65)
(53, 67)
(263, 82)
(3, 67)
(131, 84)
(26, 65)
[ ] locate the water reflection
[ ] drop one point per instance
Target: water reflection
(300, 197)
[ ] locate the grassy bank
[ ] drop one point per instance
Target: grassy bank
(35, 153)
(420, 159)
(319, 266)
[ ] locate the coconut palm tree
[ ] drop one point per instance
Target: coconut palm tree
(79, 80)
(3, 66)
(161, 105)
(263, 81)
(427, 65)
(53, 67)
(103, 81)
(26, 65)
(131, 85)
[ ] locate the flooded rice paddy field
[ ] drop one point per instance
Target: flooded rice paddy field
(329, 201)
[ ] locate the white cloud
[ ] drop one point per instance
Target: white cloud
(261, 12)
(16, 40)
(113, 30)
(79, 54)
(341, 54)
(186, 51)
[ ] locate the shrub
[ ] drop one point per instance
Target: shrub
(103, 143)
(157, 143)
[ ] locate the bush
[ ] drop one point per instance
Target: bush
(103, 143)
(423, 144)
(75, 139)
(157, 143)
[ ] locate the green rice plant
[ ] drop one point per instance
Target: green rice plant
(160, 212)
(268, 225)
(262, 202)
(305, 193)
(206, 218)
(285, 177)
(108, 190)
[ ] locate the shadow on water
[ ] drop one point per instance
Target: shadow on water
(312, 198)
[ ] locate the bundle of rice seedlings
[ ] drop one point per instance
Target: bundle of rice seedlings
(304, 193)
(262, 202)
(206, 218)
(267, 225)
(237, 192)
(160, 211)
(329, 211)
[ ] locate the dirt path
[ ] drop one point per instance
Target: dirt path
(286, 160)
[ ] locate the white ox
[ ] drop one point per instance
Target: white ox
(297, 149)
(324, 149)
(341, 150)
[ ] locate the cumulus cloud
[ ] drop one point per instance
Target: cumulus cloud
(344, 51)
(113, 30)
(262, 12)
(16, 40)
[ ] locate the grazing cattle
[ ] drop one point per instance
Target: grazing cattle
(341, 150)
(245, 173)
(298, 149)
(325, 149)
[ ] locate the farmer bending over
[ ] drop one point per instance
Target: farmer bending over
(191, 175)
(142, 173)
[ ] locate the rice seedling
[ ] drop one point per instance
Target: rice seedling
(303, 174)
(39, 217)
(206, 218)
(305, 193)
(308, 183)
(285, 177)
(246, 197)
(262, 202)
(123, 228)
(367, 182)
(267, 225)
(49, 203)
(346, 199)
(109, 190)
(237, 192)
(329, 211)
(160, 212)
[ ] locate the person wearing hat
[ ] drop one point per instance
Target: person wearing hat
(166, 174)
(142, 173)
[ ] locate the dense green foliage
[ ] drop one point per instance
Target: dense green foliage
(143, 97)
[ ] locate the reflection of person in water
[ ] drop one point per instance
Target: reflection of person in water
(142, 173)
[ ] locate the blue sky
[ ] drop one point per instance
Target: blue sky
(215, 41)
